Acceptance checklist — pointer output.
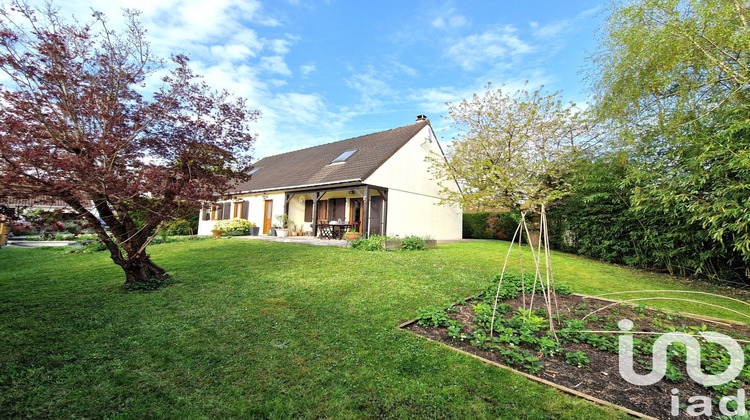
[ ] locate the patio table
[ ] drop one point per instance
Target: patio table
(333, 230)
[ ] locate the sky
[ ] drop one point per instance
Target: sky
(321, 71)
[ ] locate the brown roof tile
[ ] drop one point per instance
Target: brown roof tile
(312, 166)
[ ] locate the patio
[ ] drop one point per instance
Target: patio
(307, 240)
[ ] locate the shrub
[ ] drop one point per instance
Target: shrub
(413, 243)
(491, 225)
(373, 243)
(234, 226)
(179, 227)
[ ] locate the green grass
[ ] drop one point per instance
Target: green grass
(259, 329)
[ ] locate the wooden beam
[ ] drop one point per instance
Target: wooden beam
(366, 213)
(384, 216)
(286, 202)
(316, 196)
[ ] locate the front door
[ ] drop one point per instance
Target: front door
(355, 212)
(267, 216)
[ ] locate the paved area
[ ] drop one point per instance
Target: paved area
(308, 240)
(37, 244)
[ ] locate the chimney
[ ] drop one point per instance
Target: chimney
(421, 117)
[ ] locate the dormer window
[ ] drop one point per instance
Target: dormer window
(344, 156)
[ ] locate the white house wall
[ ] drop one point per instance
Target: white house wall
(255, 213)
(413, 196)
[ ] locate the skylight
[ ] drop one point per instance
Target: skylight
(344, 156)
(255, 170)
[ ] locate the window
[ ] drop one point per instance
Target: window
(344, 156)
(216, 212)
(254, 170)
(238, 209)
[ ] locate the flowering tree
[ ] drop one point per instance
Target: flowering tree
(75, 125)
(512, 148)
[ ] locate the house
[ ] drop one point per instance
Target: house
(380, 183)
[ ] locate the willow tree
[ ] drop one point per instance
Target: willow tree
(512, 148)
(75, 125)
(673, 76)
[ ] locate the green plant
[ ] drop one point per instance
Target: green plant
(432, 317)
(373, 243)
(577, 358)
(509, 289)
(283, 221)
(491, 225)
(530, 319)
(673, 374)
(234, 226)
(549, 347)
(413, 243)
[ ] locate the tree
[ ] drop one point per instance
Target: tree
(512, 149)
(75, 125)
(673, 76)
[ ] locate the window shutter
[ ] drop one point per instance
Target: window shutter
(245, 209)
(322, 210)
(227, 211)
(308, 210)
(339, 209)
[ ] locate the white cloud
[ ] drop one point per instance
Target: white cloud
(449, 20)
(496, 45)
(232, 52)
(279, 46)
(307, 69)
(275, 64)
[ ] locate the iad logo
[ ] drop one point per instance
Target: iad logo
(693, 363)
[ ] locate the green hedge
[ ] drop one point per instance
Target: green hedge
(491, 225)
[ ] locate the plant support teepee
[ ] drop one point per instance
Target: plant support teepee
(545, 282)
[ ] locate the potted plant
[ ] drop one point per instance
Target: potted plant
(282, 230)
(253, 230)
(352, 234)
(217, 232)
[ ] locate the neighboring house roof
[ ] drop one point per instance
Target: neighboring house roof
(313, 166)
(41, 201)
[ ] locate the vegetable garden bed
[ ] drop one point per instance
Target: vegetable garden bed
(586, 360)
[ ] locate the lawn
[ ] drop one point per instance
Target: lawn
(259, 329)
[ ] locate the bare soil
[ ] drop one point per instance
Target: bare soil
(601, 377)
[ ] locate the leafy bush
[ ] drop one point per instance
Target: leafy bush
(179, 227)
(413, 243)
(491, 225)
(373, 243)
(606, 217)
(234, 226)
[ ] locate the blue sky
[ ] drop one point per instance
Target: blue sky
(322, 71)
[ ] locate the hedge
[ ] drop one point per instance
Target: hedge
(491, 225)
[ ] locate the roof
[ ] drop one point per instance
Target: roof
(312, 166)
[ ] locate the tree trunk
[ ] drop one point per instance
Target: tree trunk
(142, 269)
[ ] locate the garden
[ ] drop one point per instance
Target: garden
(582, 354)
(264, 329)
